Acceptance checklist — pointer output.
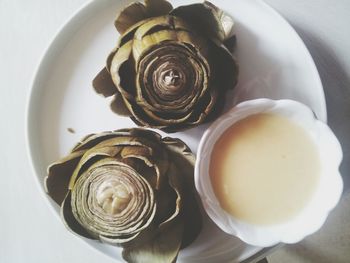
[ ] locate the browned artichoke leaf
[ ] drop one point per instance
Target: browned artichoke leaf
(89, 157)
(69, 220)
(184, 161)
(157, 7)
(122, 71)
(118, 105)
(231, 43)
(149, 173)
(91, 140)
(207, 19)
(166, 204)
(121, 240)
(129, 16)
(177, 145)
(161, 22)
(131, 240)
(226, 73)
(103, 83)
(59, 174)
(164, 248)
(137, 12)
(110, 57)
(176, 183)
(148, 134)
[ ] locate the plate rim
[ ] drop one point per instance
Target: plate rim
(45, 57)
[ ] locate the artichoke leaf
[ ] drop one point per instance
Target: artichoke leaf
(137, 12)
(226, 77)
(122, 71)
(184, 162)
(157, 7)
(69, 220)
(108, 151)
(110, 58)
(207, 19)
(138, 214)
(103, 83)
(118, 105)
(176, 184)
(164, 248)
(57, 181)
(129, 16)
(92, 140)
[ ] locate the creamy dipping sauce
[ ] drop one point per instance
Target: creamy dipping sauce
(264, 169)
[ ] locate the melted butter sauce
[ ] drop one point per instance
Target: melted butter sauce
(264, 169)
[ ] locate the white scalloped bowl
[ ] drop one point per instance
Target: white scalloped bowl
(324, 199)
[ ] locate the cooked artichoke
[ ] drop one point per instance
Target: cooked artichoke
(171, 68)
(129, 188)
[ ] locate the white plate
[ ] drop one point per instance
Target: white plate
(274, 63)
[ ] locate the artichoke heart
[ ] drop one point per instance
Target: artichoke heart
(171, 67)
(130, 188)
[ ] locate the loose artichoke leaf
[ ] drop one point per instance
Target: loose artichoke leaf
(69, 220)
(207, 19)
(164, 248)
(103, 83)
(137, 12)
(59, 173)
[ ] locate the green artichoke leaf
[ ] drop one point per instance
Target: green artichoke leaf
(208, 19)
(121, 66)
(112, 201)
(129, 16)
(164, 248)
(225, 77)
(118, 105)
(69, 220)
(108, 151)
(91, 140)
(103, 83)
(157, 7)
(184, 161)
(59, 173)
(129, 188)
(137, 12)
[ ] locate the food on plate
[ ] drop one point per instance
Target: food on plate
(130, 188)
(265, 169)
(171, 67)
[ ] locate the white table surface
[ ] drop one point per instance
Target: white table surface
(29, 232)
